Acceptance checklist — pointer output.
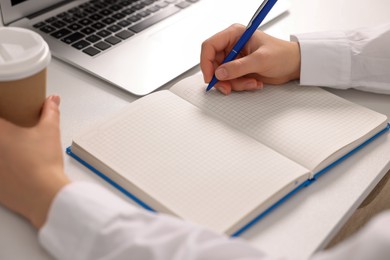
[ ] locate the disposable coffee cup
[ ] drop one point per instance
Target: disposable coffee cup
(24, 57)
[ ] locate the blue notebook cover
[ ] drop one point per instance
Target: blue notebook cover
(260, 216)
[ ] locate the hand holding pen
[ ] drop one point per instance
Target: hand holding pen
(263, 59)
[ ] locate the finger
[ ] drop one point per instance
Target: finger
(50, 112)
(238, 68)
(246, 84)
(218, 45)
(273, 80)
(224, 87)
(240, 84)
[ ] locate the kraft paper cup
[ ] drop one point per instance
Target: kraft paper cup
(24, 57)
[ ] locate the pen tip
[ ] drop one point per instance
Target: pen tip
(213, 81)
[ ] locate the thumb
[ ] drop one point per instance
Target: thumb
(237, 68)
(50, 111)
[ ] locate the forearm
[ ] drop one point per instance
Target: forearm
(358, 59)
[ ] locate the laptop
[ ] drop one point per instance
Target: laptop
(136, 45)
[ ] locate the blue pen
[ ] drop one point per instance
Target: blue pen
(254, 23)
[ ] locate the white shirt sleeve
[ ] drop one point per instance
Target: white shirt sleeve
(371, 242)
(347, 59)
(87, 222)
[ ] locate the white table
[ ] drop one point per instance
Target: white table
(299, 227)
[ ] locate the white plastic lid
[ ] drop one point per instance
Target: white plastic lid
(23, 53)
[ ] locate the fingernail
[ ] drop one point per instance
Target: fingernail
(221, 73)
(260, 85)
(55, 99)
(251, 85)
(222, 90)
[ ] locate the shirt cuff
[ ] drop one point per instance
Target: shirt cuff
(76, 212)
(325, 59)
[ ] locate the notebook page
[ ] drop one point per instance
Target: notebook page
(198, 168)
(306, 124)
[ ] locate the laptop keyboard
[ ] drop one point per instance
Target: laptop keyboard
(97, 25)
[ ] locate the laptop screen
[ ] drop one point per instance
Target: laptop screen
(13, 10)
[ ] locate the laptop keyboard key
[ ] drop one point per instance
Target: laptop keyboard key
(148, 2)
(154, 9)
(113, 40)
(85, 21)
(144, 13)
(110, 1)
(61, 33)
(87, 30)
(119, 16)
(51, 19)
(105, 12)
(58, 24)
(163, 14)
(99, 5)
(75, 27)
(74, 10)
(81, 15)
(40, 24)
(124, 34)
(96, 17)
(93, 38)
(98, 25)
(124, 23)
(69, 19)
(62, 15)
(104, 33)
(81, 44)
(114, 28)
(47, 29)
(91, 51)
(162, 4)
(138, 6)
(134, 18)
(116, 7)
(125, 2)
(183, 4)
(127, 12)
(102, 45)
(108, 20)
(73, 37)
(90, 10)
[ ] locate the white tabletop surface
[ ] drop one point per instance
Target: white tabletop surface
(299, 227)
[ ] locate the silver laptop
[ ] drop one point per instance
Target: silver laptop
(136, 45)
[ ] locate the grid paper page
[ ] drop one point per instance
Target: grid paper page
(199, 168)
(306, 124)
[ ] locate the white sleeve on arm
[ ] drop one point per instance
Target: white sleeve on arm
(347, 59)
(87, 222)
(371, 242)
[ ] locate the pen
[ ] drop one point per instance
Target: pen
(254, 23)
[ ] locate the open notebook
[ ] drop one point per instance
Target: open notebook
(223, 161)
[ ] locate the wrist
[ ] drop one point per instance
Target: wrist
(295, 59)
(39, 210)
